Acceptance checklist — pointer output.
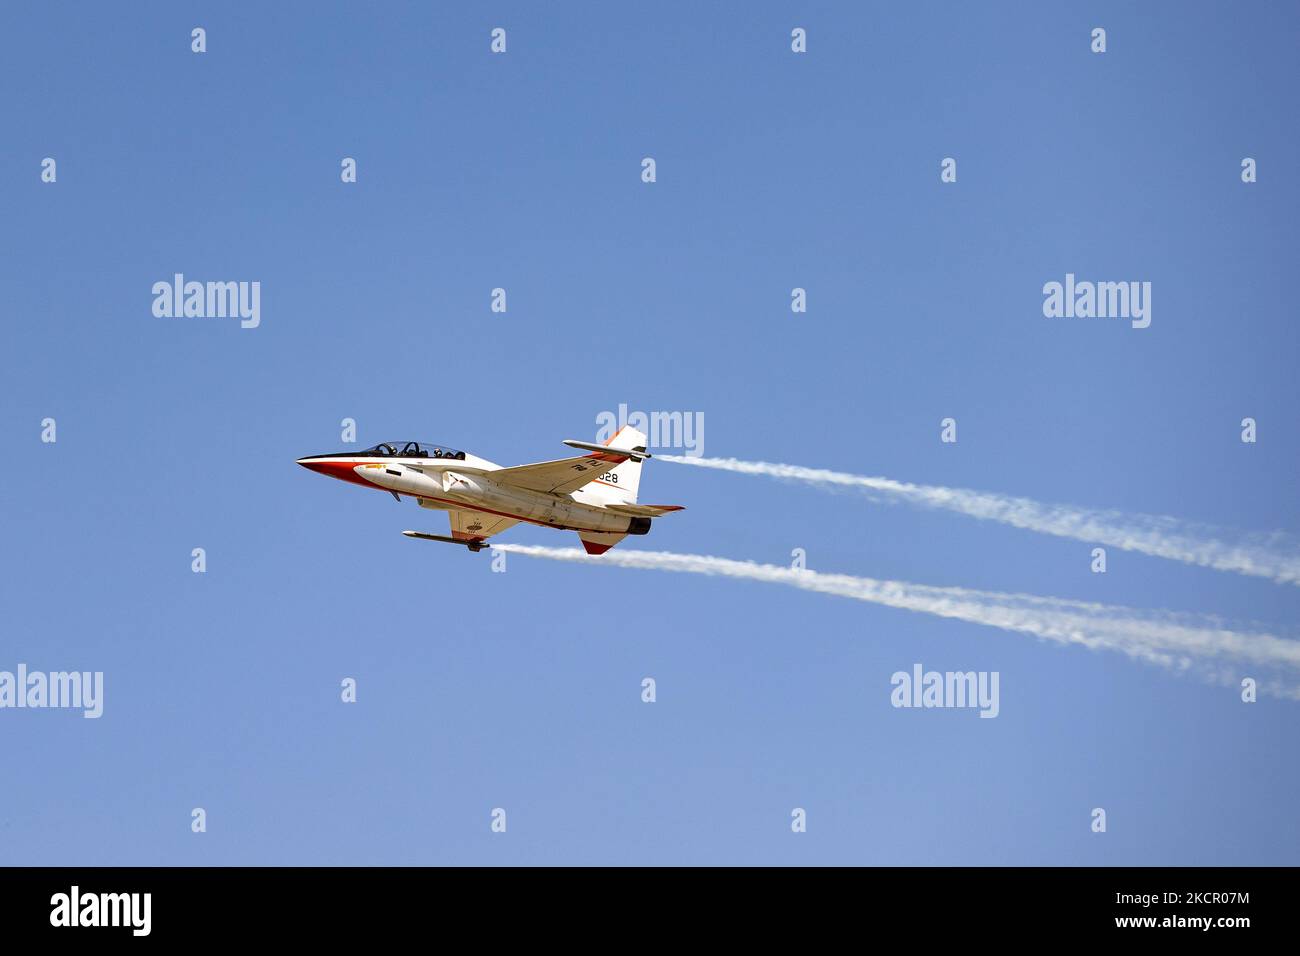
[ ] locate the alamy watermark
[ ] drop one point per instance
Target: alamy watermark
(1099, 300)
(922, 688)
(129, 910)
(684, 430)
(179, 299)
(82, 690)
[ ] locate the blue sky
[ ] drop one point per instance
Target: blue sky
(522, 690)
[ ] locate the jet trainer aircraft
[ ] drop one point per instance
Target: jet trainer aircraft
(593, 494)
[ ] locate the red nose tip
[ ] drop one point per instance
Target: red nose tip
(343, 469)
(311, 465)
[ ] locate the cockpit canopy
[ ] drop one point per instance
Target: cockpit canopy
(412, 449)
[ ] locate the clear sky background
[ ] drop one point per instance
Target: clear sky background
(522, 690)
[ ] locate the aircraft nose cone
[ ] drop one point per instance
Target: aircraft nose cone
(334, 466)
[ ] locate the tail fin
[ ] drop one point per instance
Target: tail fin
(617, 487)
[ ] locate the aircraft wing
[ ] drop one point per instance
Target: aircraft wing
(561, 476)
(476, 525)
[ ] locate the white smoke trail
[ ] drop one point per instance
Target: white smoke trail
(1275, 556)
(1178, 642)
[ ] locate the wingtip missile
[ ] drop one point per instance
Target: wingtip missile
(636, 454)
(474, 546)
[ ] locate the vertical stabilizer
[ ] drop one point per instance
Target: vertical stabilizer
(617, 487)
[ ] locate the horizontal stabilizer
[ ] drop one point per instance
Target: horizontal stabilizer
(644, 511)
(598, 542)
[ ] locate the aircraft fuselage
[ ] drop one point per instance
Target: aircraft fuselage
(466, 484)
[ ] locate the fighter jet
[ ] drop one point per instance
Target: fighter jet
(593, 494)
